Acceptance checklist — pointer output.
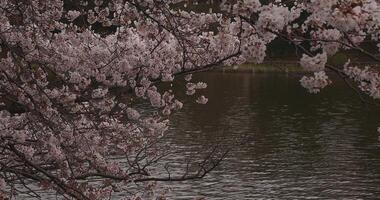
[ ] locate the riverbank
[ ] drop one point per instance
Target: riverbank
(278, 67)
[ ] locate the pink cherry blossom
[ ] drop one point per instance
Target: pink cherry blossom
(86, 75)
(202, 100)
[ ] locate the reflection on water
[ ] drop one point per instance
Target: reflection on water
(299, 145)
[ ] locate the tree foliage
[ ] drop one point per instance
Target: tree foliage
(71, 73)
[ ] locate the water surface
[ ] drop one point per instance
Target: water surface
(285, 143)
(296, 145)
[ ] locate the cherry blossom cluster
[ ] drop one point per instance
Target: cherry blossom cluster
(315, 83)
(367, 79)
(314, 64)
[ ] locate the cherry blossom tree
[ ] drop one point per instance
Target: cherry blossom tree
(73, 72)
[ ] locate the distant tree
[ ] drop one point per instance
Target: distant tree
(72, 72)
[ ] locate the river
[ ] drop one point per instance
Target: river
(285, 143)
(296, 145)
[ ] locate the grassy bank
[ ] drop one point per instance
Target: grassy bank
(278, 67)
(293, 66)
